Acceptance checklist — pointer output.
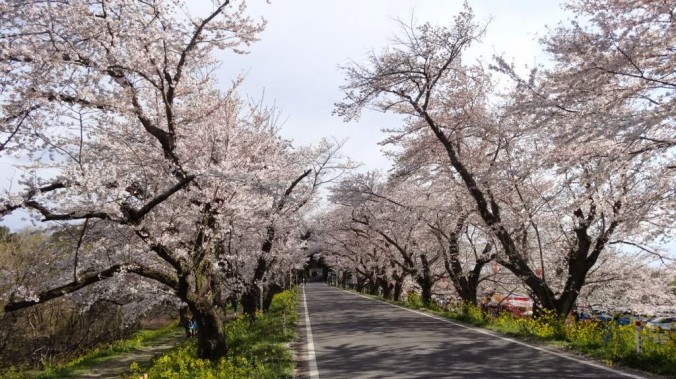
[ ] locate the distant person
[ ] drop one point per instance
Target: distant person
(233, 303)
(184, 318)
(193, 328)
(186, 326)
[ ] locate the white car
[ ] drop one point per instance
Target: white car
(665, 324)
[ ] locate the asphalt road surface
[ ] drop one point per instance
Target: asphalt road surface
(357, 337)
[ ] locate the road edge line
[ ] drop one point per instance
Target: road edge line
(314, 371)
(490, 333)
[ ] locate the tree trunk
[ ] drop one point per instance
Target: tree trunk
(425, 281)
(386, 287)
(211, 343)
(201, 292)
(270, 292)
(373, 288)
(250, 300)
(468, 293)
(360, 284)
(398, 288)
(426, 289)
(467, 285)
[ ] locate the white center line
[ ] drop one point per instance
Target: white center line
(314, 371)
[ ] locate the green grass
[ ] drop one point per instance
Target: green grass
(257, 350)
(94, 356)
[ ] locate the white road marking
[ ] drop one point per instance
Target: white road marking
(314, 371)
(486, 332)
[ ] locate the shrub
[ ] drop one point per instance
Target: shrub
(473, 314)
(585, 335)
(413, 300)
(13, 373)
(547, 325)
(617, 344)
(183, 363)
(466, 312)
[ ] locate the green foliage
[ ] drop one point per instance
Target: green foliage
(617, 344)
(548, 326)
(468, 313)
(413, 300)
(13, 373)
(257, 349)
(586, 336)
(182, 363)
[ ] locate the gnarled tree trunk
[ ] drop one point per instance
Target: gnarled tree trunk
(269, 292)
(211, 343)
(200, 290)
(425, 281)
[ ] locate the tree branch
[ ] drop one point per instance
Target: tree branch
(134, 216)
(164, 278)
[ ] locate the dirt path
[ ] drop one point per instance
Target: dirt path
(117, 365)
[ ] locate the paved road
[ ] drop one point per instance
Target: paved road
(356, 337)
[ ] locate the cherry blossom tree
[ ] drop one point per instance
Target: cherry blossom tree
(615, 69)
(116, 105)
(101, 312)
(290, 194)
(345, 250)
(611, 94)
(637, 284)
(378, 214)
(466, 250)
(609, 103)
(443, 228)
(550, 204)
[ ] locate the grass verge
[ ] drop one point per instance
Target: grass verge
(95, 356)
(258, 349)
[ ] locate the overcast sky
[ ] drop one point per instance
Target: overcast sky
(295, 64)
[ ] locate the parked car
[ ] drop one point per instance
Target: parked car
(664, 324)
(623, 320)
